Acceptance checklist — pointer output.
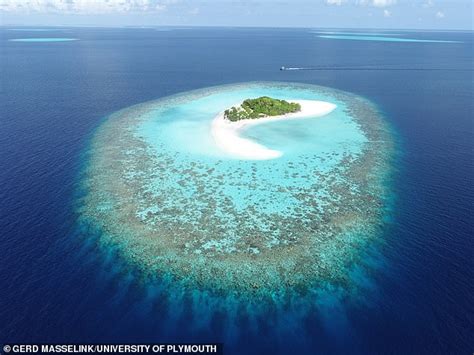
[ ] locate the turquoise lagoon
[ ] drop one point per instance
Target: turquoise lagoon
(45, 39)
(355, 33)
(159, 190)
(381, 38)
(36, 29)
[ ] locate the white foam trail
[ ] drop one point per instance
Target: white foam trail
(226, 134)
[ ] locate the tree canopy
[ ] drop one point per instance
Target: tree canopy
(260, 107)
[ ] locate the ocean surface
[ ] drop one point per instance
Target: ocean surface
(57, 284)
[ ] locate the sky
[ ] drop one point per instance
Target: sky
(386, 14)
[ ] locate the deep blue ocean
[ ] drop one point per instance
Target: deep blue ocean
(57, 286)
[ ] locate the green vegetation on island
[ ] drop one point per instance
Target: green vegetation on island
(260, 107)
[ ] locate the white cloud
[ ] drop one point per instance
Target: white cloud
(440, 14)
(387, 13)
(428, 3)
(83, 6)
(334, 2)
(377, 3)
(383, 3)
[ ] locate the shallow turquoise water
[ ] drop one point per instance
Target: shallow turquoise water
(184, 131)
(46, 39)
(356, 33)
(35, 29)
(382, 39)
(185, 128)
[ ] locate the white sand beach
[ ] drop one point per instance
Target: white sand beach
(226, 134)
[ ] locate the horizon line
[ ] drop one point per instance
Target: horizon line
(8, 25)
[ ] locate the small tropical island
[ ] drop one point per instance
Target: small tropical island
(228, 124)
(263, 106)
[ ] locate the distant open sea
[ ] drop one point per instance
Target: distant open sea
(57, 286)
